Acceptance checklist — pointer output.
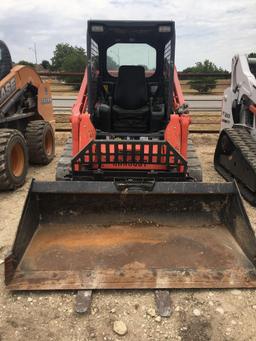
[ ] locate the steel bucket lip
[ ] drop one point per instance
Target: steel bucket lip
(160, 187)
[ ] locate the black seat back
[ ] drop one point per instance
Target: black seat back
(131, 88)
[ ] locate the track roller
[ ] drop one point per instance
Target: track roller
(41, 142)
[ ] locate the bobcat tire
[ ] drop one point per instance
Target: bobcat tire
(13, 159)
(41, 142)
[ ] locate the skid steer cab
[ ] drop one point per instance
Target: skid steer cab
(130, 118)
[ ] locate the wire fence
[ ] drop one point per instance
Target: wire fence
(182, 75)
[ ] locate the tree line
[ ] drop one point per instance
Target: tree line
(69, 58)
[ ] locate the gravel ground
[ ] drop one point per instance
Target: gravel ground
(197, 314)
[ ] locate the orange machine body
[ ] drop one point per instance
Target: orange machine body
(176, 134)
(17, 79)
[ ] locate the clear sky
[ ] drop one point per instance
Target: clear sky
(205, 29)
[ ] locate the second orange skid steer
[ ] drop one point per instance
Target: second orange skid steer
(129, 209)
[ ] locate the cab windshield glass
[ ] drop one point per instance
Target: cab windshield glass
(131, 54)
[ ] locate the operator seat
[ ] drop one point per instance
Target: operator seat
(131, 109)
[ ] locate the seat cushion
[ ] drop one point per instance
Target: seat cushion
(131, 87)
(136, 120)
(130, 112)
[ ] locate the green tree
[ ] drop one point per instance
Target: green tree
(24, 62)
(46, 64)
(252, 55)
(204, 84)
(61, 51)
(68, 58)
(75, 62)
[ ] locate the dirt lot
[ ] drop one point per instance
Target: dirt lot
(198, 314)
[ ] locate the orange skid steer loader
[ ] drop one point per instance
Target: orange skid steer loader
(129, 208)
(26, 121)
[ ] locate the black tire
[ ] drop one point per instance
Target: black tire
(41, 142)
(13, 159)
(5, 60)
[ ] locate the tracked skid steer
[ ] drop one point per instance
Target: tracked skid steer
(129, 208)
(235, 154)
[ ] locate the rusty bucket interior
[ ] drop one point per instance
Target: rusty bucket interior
(77, 235)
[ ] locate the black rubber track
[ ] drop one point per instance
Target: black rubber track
(235, 158)
(194, 164)
(64, 164)
(35, 137)
(8, 137)
(6, 60)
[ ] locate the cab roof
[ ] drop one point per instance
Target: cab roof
(109, 32)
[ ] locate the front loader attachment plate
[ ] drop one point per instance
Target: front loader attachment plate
(88, 235)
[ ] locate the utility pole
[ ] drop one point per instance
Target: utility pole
(35, 51)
